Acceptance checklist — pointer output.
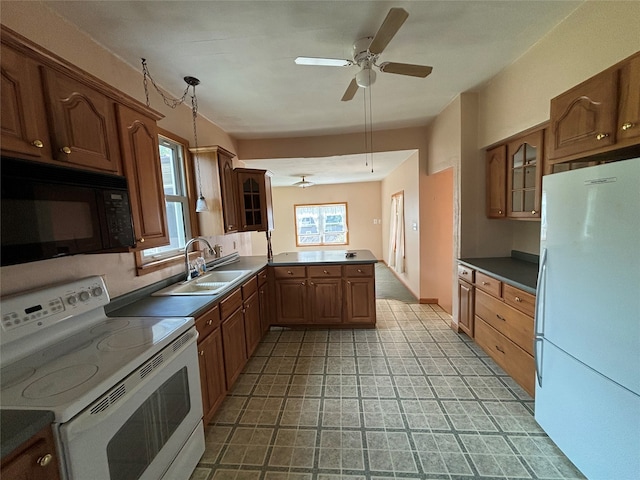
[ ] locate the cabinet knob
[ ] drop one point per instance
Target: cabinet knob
(359, 271)
(230, 227)
(518, 299)
(533, 212)
(209, 322)
(600, 136)
(311, 284)
(302, 283)
(289, 272)
(500, 317)
(499, 349)
(44, 460)
(485, 283)
(628, 126)
(37, 143)
(325, 272)
(201, 352)
(141, 240)
(65, 150)
(499, 212)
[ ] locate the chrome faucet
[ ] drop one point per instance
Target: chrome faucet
(186, 253)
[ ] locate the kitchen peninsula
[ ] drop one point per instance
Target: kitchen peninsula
(328, 288)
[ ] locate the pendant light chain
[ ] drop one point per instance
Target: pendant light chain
(168, 101)
(194, 113)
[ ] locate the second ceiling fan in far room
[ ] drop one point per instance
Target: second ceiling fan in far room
(365, 55)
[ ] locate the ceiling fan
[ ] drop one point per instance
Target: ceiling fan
(366, 52)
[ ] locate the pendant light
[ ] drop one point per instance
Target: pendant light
(201, 203)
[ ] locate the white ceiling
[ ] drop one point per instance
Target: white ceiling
(243, 53)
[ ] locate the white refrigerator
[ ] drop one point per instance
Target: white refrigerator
(587, 332)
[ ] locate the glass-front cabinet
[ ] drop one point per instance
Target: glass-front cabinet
(524, 175)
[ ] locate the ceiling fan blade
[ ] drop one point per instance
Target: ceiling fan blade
(406, 69)
(351, 91)
(388, 29)
(323, 62)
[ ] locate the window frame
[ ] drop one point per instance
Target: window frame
(321, 224)
(145, 265)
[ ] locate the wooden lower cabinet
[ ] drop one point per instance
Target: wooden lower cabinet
(503, 327)
(211, 361)
(35, 459)
(513, 359)
(252, 325)
(234, 346)
(265, 299)
(325, 295)
(466, 294)
(212, 374)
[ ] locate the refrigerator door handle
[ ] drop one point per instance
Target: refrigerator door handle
(538, 358)
(538, 327)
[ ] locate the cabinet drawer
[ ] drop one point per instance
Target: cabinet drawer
(207, 323)
(230, 304)
(489, 284)
(249, 288)
(513, 360)
(325, 271)
(290, 272)
(512, 323)
(466, 273)
(262, 277)
(523, 301)
(358, 270)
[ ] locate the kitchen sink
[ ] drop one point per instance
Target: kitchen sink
(208, 284)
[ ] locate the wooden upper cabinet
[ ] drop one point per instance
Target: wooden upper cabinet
(629, 111)
(525, 156)
(24, 127)
(496, 182)
(82, 122)
(254, 199)
(598, 116)
(139, 142)
(228, 191)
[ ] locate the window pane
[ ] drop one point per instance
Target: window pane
(324, 224)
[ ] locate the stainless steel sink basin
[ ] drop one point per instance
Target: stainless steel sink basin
(208, 284)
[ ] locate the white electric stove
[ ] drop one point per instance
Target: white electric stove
(60, 352)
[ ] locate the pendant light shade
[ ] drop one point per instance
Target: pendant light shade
(201, 204)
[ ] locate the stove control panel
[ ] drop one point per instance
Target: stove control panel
(32, 311)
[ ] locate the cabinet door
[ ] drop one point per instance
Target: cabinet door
(139, 139)
(252, 326)
(234, 346)
(524, 175)
(212, 375)
(360, 300)
(266, 304)
(35, 459)
(228, 192)
(496, 182)
(629, 108)
(326, 300)
(584, 118)
(251, 200)
(24, 128)
(291, 301)
(83, 124)
(465, 307)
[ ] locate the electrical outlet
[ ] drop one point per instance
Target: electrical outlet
(375, 221)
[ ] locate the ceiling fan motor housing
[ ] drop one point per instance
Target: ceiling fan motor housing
(361, 51)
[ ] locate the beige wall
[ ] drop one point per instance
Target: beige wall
(34, 21)
(405, 178)
(363, 206)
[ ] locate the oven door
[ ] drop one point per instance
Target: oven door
(140, 426)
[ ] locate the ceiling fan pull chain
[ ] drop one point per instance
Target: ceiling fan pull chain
(370, 127)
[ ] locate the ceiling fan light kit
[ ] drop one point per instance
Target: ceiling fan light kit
(303, 183)
(365, 55)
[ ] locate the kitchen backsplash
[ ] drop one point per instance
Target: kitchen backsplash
(117, 269)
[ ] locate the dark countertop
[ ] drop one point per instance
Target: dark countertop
(322, 257)
(18, 426)
(145, 305)
(520, 273)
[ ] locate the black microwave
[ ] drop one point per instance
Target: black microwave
(50, 211)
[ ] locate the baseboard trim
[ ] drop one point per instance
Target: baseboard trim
(429, 300)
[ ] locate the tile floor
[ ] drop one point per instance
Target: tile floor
(410, 399)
